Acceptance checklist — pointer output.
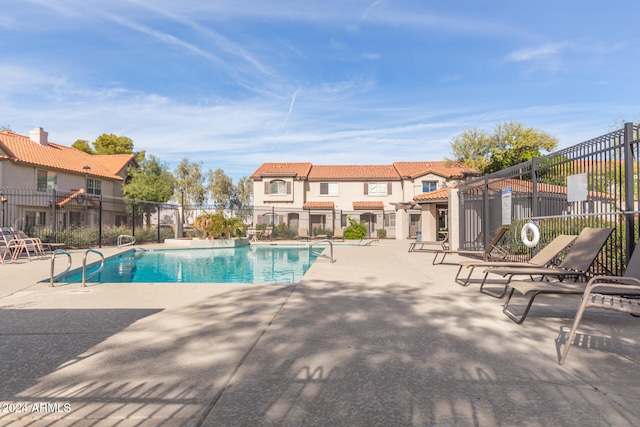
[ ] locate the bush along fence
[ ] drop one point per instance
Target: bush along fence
(592, 184)
(81, 220)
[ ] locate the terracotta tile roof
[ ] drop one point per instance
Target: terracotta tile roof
(354, 172)
(78, 196)
(21, 149)
(279, 169)
(441, 168)
(440, 194)
(115, 163)
(368, 205)
(318, 205)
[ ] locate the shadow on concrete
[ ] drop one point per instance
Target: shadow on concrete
(328, 353)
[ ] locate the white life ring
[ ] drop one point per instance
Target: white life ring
(535, 235)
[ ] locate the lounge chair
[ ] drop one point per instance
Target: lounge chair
(492, 249)
(543, 258)
(4, 251)
(576, 264)
(18, 241)
(444, 244)
(338, 233)
(303, 233)
(610, 293)
(252, 234)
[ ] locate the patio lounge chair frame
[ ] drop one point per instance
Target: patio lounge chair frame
(581, 257)
(543, 258)
(492, 249)
(576, 263)
(615, 293)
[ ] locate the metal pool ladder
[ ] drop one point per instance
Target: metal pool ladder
(53, 259)
(84, 265)
(321, 254)
(131, 242)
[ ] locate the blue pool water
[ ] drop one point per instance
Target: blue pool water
(244, 264)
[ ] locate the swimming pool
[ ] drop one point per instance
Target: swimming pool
(242, 264)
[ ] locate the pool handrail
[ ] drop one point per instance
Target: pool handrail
(127, 236)
(84, 266)
(53, 259)
(321, 254)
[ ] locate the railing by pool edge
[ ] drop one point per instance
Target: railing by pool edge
(84, 266)
(53, 259)
(321, 254)
(131, 242)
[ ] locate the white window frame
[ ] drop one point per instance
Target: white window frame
(51, 180)
(378, 189)
(429, 182)
(278, 187)
(331, 189)
(94, 186)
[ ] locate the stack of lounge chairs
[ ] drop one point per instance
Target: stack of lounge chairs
(577, 273)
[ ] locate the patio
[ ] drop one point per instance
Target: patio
(381, 337)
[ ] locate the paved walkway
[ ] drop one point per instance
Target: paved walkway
(379, 338)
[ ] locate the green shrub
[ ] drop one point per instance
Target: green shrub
(356, 230)
(382, 233)
(282, 231)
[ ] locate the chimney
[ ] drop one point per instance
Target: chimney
(39, 136)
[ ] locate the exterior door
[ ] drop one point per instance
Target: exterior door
(414, 224)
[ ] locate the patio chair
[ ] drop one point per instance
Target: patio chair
(338, 233)
(444, 244)
(493, 250)
(267, 233)
(576, 264)
(4, 251)
(543, 258)
(303, 233)
(614, 293)
(252, 234)
(20, 242)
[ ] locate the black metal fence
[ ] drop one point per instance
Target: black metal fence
(79, 220)
(594, 184)
(287, 221)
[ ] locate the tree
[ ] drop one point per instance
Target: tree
(222, 191)
(511, 143)
(244, 191)
(190, 182)
(152, 182)
(473, 148)
(5, 127)
(113, 144)
(82, 145)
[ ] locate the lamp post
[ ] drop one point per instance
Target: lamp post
(4, 202)
(86, 168)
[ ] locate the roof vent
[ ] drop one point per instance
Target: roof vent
(39, 136)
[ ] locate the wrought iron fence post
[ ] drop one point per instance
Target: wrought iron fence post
(54, 216)
(629, 189)
(100, 221)
(485, 213)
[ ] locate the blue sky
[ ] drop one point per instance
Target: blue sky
(237, 83)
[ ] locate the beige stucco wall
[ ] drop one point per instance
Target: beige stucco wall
(349, 192)
(20, 176)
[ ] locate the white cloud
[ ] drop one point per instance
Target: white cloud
(537, 53)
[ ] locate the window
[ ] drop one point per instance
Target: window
(94, 186)
(277, 187)
(377, 188)
(428, 186)
(328, 188)
(390, 220)
(47, 180)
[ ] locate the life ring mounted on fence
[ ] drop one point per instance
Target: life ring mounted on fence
(532, 228)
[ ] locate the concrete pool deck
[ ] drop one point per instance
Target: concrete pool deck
(379, 338)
